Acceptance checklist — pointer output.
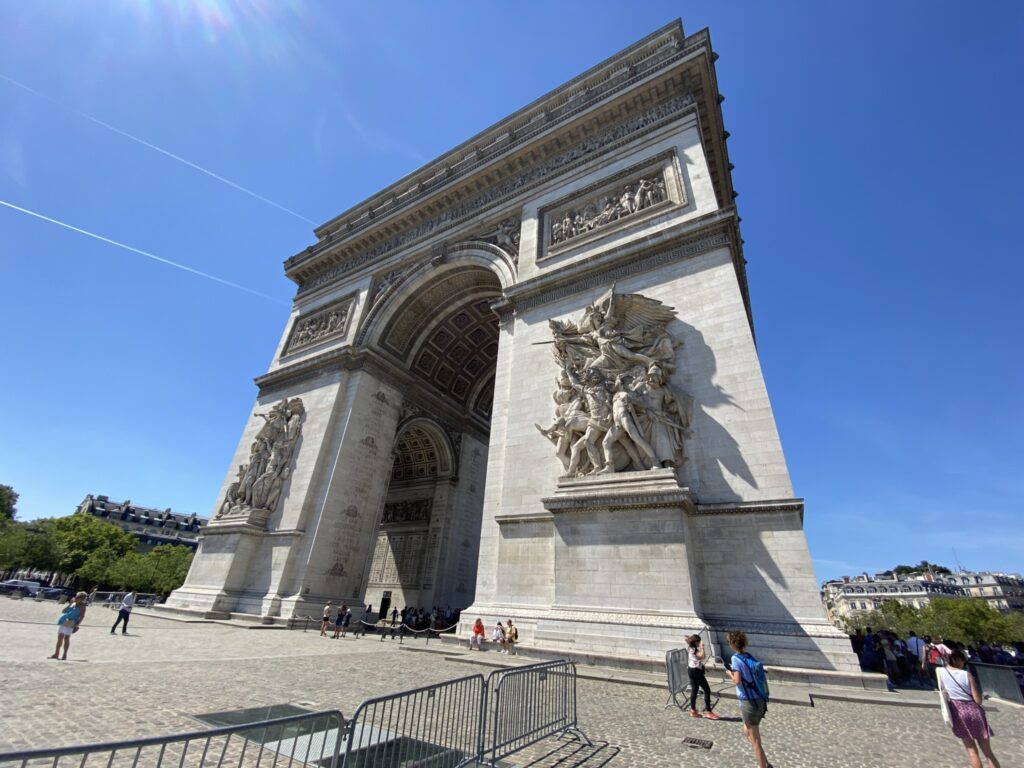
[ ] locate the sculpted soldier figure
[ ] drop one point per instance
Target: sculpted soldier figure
(612, 390)
(624, 423)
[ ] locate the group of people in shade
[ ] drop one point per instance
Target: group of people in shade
(938, 664)
(505, 636)
(340, 618)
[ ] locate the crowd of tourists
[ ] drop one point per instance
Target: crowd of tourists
(913, 661)
(340, 619)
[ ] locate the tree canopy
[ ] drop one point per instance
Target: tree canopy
(96, 552)
(8, 503)
(966, 620)
(923, 567)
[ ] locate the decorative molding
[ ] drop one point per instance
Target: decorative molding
(579, 154)
(322, 324)
(615, 270)
(658, 51)
(751, 508)
(620, 490)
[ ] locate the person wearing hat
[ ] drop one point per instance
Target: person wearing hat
(695, 659)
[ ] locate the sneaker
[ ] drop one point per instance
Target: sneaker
(711, 716)
(694, 713)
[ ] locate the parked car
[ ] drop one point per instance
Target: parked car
(30, 588)
(54, 593)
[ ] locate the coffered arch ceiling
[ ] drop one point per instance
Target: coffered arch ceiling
(448, 336)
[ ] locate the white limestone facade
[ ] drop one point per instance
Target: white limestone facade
(420, 347)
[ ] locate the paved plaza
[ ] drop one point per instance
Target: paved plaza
(155, 679)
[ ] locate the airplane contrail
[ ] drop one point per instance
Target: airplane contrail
(155, 148)
(141, 252)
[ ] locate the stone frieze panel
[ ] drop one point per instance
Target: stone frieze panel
(322, 324)
(612, 204)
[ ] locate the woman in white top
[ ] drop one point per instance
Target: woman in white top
(695, 659)
(498, 636)
(966, 716)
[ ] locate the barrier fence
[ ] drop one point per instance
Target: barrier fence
(313, 738)
(457, 723)
(437, 725)
(530, 704)
(1000, 681)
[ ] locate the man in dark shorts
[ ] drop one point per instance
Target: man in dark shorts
(753, 705)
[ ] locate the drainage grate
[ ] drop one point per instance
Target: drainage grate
(693, 743)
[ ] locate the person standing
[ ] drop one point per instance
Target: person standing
(325, 622)
(511, 638)
(966, 716)
(695, 660)
(338, 621)
(751, 690)
(346, 619)
(124, 612)
(915, 647)
(70, 619)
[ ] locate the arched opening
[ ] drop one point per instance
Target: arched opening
(442, 331)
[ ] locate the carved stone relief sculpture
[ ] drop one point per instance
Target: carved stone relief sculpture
(417, 511)
(258, 488)
(614, 409)
(505, 235)
(329, 322)
(608, 206)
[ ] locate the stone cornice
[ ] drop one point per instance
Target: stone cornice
(716, 230)
(330, 260)
(629, 66)
(752, 507)
(644, 74)
(381, 366)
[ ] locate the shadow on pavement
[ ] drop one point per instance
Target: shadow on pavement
(576, 754)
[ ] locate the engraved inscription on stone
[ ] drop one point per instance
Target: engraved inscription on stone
(407, 511)
(610, 205)
(614, 409)
(256, 491)
(326, 323)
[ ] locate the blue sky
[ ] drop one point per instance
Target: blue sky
(877, 157)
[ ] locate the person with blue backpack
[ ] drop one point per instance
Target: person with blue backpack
(752, 691)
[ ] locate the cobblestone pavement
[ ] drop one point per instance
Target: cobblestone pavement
(156, 678)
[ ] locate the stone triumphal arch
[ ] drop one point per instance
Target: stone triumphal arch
(523, 381)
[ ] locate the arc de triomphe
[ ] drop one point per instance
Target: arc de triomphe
(523, 381)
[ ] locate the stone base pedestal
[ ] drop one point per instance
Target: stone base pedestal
(639, 564)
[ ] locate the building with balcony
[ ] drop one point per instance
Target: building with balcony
(151, 527)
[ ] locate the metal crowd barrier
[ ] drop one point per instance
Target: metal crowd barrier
(1000, 681)
(529, 704)
(437, 725)
(313, 738)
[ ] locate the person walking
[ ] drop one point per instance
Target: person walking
(695, 660)
(70, 619)
(966, 716)
(477, 638)
(124, 612)
(752, 691)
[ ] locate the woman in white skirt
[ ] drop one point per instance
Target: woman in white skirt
(966, 716)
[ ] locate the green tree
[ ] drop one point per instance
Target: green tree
(923, 567)
(8, 502)
(79, 535)
(170, 564)
(12, 545)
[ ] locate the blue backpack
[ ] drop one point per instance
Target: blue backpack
(759, 687)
